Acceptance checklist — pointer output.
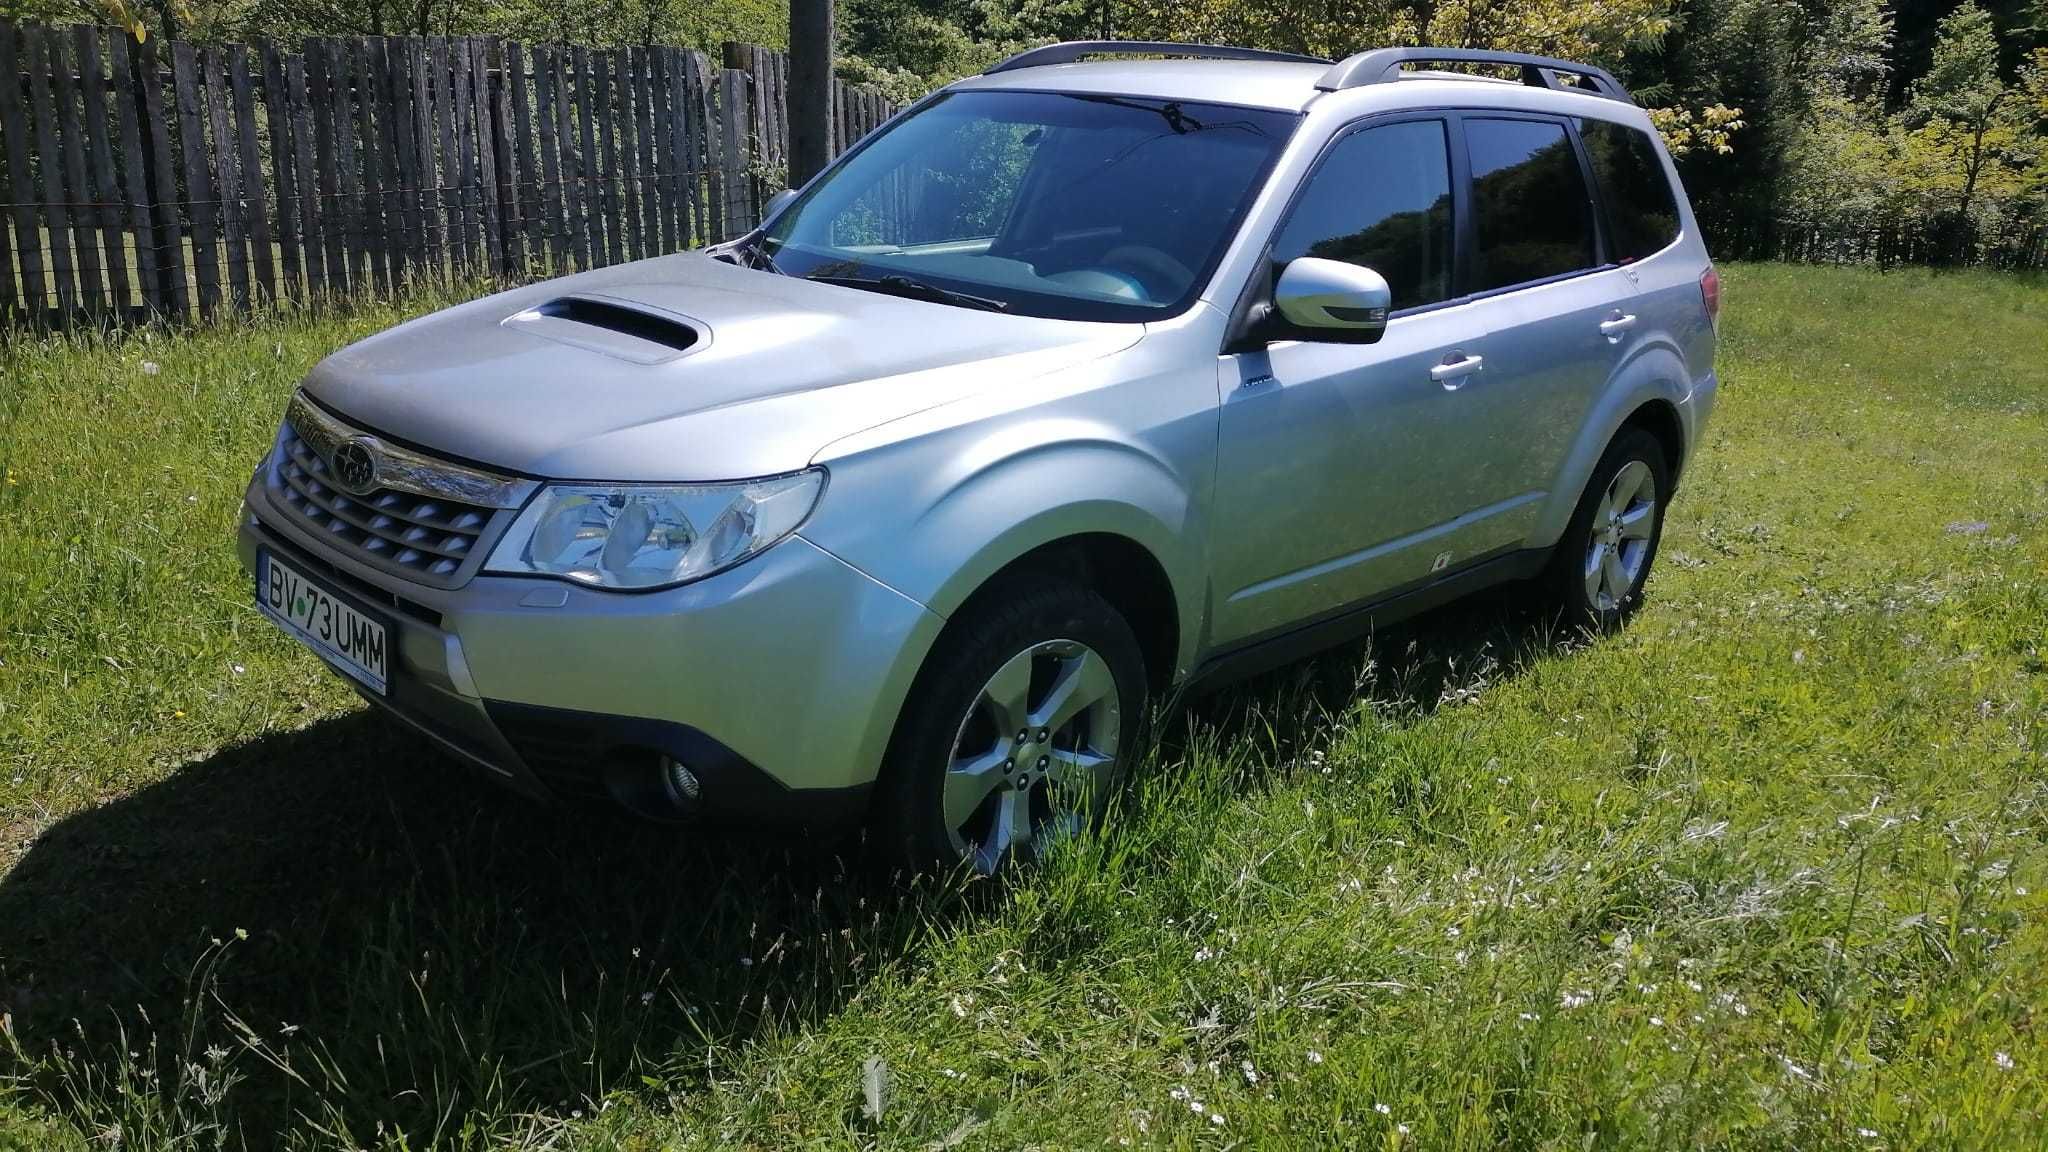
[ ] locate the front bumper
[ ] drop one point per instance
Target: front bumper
(776, 683)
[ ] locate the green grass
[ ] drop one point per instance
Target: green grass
(1766, 870)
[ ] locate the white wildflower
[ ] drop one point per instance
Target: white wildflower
(2003, 1060)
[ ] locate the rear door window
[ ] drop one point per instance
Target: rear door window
(1531, 214)
(1380, 199)
(1642, 212)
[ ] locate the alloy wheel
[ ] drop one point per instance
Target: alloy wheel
(1619, 544)
(1034, 754)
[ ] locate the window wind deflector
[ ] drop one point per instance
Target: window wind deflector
(615, 328)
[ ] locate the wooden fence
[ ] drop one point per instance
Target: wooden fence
(143, 180)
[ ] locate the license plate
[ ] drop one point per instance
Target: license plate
(349, 640)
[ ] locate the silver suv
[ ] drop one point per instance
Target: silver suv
(1076, 383)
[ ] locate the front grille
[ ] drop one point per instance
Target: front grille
(424, 535)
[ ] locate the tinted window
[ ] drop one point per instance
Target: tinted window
(1381, 199)
(1641, 210)
(1529, 204)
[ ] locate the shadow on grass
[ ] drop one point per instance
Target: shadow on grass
(1408, 669)
(347, 894)
(372, 934)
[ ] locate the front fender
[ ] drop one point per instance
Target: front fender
(1653, 372)
(994, 497)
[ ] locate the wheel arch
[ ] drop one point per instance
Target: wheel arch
(1646, 394)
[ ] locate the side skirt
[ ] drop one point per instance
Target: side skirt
(1357, 621)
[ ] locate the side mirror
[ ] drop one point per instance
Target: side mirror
(777, 203)
(1333, 301)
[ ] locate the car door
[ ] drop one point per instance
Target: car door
(1337, 470)
(1555, 305)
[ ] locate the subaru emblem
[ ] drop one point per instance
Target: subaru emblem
(354, 466)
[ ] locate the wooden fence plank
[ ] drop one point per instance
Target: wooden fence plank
(348, 158)
(677, 141)
(465, 148)
(710, 146)
(201, 208)
(370, 218)
(733, 118)
(92, 87)
(8, 306)
(525, 177)
(134, 193)
(425, 209)
(660, 90)
(64, 177)
(284, 171)
(499, 83)
(307, 179)
(448, 228)
(99, 148)
(489, 190)
(608, 164)
(589, 242)
(550, 170)
(85, 238)
(174, 282)
(327, 214)
(643, 129)
(227, 175)
(627, 169)
(255, 204)
(56, 249)
(404, 173)
(14, 127)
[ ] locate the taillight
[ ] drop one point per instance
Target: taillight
(1710, 292)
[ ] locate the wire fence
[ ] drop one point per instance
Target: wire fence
(171, 181)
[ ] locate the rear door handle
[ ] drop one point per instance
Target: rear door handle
(1612, 329)
(1452, 373)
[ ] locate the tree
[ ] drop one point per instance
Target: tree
(1962, 101)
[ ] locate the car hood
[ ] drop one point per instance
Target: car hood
(681, 368)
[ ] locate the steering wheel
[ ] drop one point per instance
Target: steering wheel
(1163, 277)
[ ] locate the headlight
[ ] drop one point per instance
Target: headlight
(652, 535)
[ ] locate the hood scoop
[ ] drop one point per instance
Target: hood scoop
(624, 330)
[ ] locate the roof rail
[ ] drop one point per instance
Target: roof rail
(1074, 50)
(1381, 65)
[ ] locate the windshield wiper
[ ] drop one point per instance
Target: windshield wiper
(898, 285)
(753, 248)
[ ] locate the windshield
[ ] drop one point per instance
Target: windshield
(1080, 207)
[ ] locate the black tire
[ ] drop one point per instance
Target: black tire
(947, 707)
(1567, 580)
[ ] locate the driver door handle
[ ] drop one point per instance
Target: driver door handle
(1452, 374)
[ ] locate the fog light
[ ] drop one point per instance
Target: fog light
(682, 783)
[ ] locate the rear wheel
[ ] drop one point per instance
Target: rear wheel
(1018, 730)
(1604, 557)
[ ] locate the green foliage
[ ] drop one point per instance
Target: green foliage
(1962, 160)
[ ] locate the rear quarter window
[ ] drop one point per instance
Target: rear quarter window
(1641, 208)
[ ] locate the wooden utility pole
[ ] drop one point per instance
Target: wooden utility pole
(810, 88)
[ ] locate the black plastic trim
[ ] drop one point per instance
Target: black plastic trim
(1357, 621)
(1076, 50)
(733, 788)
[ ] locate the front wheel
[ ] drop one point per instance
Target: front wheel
(1018, 729)
(1604, 557)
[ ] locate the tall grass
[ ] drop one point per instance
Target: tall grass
(1763, 871)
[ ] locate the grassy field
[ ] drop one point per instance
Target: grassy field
(1767, 870)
